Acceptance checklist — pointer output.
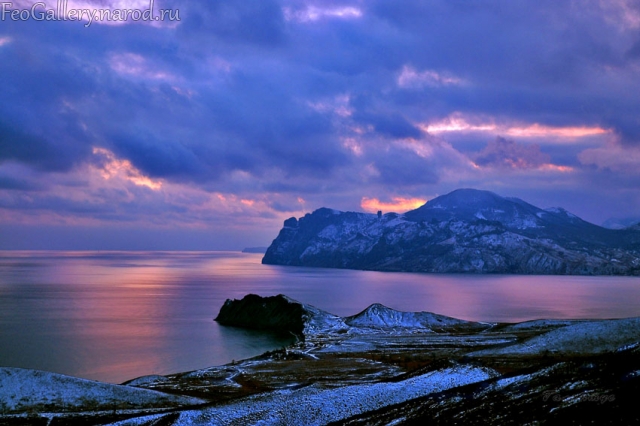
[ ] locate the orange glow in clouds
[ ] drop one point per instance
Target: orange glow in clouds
(537, 130)
(458, 123)
(114, 167)
(555, 168)
(398, 204)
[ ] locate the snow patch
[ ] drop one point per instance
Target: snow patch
(380, 316)
(26, 390)
(584, 337)
(319, 321)
(560, 210)
(147, 380)
(539, 324)
(315, 406)
(629, 347)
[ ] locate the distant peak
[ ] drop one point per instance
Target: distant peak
(472, 192)
(472, 205)
(377, 307)
(466, 196)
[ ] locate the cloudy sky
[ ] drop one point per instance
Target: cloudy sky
(208, 132)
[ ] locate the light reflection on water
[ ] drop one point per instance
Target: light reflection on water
(114, 316)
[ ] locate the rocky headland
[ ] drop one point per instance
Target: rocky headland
(466, 231)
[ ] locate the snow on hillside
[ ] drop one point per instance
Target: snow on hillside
(319, 321)
(315, 406)
(466, 231)
(583, 337)
(24, 390)
(539, 325)
(380, 316)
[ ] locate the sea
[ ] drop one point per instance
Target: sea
(114, 316)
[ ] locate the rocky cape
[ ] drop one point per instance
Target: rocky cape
(465, 231)
(380, 366)
(283, 314)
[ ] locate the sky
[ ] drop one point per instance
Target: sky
(206, 129)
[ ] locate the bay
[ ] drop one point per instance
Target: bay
(114, 316)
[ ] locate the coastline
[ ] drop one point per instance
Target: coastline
(365, 367)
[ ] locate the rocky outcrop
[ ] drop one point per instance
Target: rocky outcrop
(467, 231)
(277, 313)
(281, 313)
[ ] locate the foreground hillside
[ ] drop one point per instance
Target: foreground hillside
(380, 366)
(466, 231)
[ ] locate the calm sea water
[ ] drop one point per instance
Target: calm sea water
(114, 316)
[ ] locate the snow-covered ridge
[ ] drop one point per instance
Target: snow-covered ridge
(24, 390)
(574, 337)
(380, 316)
(315, 406)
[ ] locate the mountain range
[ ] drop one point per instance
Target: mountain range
(465, 231)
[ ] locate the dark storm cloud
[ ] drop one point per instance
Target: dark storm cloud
(258, 22)
(391, 125)
(540, 63)
(400, 168)
(507, 153)
(627, 128)
(35, 126)
(157, 156)
(18, 146)
(634, 52)
(254, 117)
(12, 183)
(276, 91)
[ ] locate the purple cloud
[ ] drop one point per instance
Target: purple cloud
(504, 153)
(272, 101)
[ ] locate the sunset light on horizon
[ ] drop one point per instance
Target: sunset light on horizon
(396, 205)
